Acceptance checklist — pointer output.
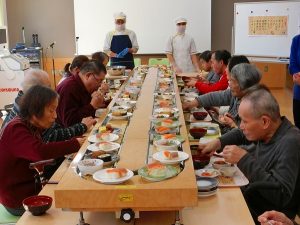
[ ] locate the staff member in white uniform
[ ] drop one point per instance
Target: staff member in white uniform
(120, 44)
(181, 50)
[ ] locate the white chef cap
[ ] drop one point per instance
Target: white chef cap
(120, 16)
(181, 20)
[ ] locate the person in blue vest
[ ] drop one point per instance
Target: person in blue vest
(294, 69)
(121, 43)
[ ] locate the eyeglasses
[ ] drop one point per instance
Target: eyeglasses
(181, 24)
(99, 80)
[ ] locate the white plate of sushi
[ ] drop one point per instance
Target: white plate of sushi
(96, 138)
(170, 157)
(113, 175)
(106, 146)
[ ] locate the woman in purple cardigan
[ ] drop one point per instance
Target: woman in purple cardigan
(21, 144)
(294, 69)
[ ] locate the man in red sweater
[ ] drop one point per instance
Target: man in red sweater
(219, 60)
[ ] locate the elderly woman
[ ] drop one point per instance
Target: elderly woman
(241, 75)
(21, 143)
(101, 57)
(73, 68)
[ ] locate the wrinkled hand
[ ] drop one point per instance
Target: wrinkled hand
(89, 122)
(189, 105)
(200, 77)
(228, 120)
(210, 147)
(274, 218)
(81, 140)
(296, 78)
(233, 153)
(104, 88)
(123, 53)
(97, 99)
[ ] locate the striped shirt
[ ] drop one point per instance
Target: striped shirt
(54, 133)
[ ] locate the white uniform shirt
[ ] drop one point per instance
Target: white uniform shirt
(182, 47)
(109, 36)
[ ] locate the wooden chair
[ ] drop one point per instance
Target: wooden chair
(137, 62)
(158, 61)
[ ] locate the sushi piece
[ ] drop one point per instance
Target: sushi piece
(157, 170)
(105, 136)
(116, 173)
(170, 155)
(162, 130)
(167, 122)
(169, 136)
(104, 145)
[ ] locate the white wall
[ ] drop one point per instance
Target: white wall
(153, 22)
(3, 18)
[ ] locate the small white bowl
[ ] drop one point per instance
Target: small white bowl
(162, 144)
(218, 166)
(228, 171)
(90, 166)
(212, 131)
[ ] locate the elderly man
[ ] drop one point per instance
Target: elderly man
(79, 94)
(56, 132)
(121, 43)
(206, 65)
(275, 158)
(241, 75)
(181, 49)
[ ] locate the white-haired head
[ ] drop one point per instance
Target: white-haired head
(35, 77)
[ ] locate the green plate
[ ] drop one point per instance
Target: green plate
(171, 171)
(178, 138)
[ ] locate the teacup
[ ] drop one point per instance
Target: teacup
(228, 171)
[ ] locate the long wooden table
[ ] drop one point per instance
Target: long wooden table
(175, 193)
(227, 207)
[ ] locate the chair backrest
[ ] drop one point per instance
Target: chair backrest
(137, 61)
(158, 61)
(6, 218)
